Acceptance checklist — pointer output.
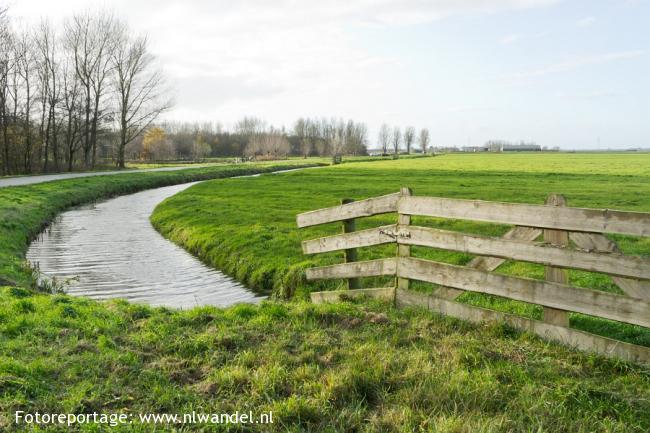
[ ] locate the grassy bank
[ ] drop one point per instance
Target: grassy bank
(319, 368)
(247, 226)
(26, 210)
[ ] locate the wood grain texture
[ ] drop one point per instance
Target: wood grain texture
(486, 263)
(370, 268)
(350, 253)
(545, 293)
(403, 250)
(552, 253)
(552, 217)
(357, 209)
(357, 239)
(518, 233)
(385, 293)
(558, 238)
(599, 243)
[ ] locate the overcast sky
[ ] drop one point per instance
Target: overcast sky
(572, 73)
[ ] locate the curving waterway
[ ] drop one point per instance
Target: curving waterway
(112, 251)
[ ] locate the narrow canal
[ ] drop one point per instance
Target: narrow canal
(110, 250)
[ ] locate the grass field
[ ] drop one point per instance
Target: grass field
(346, 367)
(247, 226)
(319, 368)
(26, 210)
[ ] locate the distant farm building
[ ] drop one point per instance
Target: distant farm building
(504, 146)
(497, 146)
(473, 149)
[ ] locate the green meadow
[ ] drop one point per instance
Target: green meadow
(352, 366)
(343, 367)
(247, 226)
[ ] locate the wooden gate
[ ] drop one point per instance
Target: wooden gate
(572, 238)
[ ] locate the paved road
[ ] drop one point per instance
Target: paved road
(29, 180)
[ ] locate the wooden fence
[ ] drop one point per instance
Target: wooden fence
(572, 238)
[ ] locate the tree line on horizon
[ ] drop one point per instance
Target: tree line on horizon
(253, 138)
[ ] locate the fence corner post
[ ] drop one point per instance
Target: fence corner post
(350, 255)
(403, 250)
(554, 274)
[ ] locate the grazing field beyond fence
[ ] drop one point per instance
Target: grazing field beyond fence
(247, 227)
(555, 222)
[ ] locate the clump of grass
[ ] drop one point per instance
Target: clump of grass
(361, 366)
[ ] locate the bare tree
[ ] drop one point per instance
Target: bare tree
(384, 138)
(73, 109)
(355, 138)
(277, 144)
(6, 66)
(424, 140)
(271, 144)
(409, 138)
(254, 146)
(48, 69)
(25, 65)
(200, 148)
(91, 39)
(300, 130)
(249, 126)
(139, 85)
(337, 138)
(396, 140)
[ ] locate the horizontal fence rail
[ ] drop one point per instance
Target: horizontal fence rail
(361, 208)
(573, 239)
(560, 218)
(610, 263)
(614, 264)
(592, 302)
(371, 268)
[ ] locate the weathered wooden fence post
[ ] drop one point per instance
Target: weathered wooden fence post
(350, 254)
(403, 250)
(557, 275)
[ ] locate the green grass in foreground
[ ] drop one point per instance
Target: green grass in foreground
(25, 210)
(320, 368)
(247, 226)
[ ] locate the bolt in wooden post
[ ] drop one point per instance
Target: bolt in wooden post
(350, 254)
(403, 250)
(556, 275)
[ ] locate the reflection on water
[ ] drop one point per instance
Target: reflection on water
(114, 252)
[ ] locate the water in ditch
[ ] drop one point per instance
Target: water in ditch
(110, 250)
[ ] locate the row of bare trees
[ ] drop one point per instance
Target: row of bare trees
(333, 137)
(308, 137)
(253, 137)
(393, 138)
(63, 90)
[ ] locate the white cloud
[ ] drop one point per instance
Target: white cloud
(511, 38)
(280, 59)
(518, 37)
(575, 63)
(586, 21)
(595, 94)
